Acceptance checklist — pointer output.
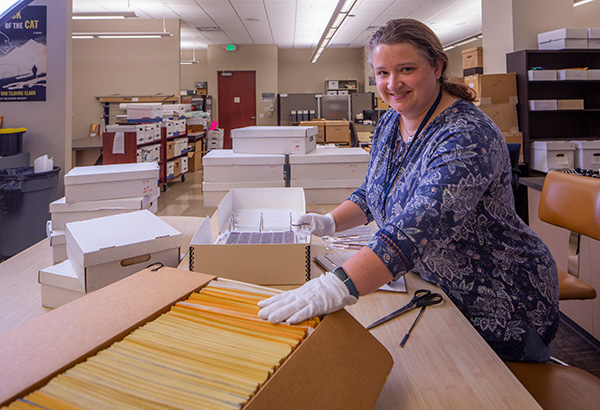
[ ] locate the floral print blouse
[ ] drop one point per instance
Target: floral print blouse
(444, 206)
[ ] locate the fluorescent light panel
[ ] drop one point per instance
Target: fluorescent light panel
(581, 2)
(337, 18)
(122, 35)
(104, 15)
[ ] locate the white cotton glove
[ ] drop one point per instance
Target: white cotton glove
(319, 296)
(320, 225)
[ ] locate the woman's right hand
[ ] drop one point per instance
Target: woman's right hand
(320, 225)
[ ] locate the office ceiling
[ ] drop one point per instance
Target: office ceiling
(294, 23)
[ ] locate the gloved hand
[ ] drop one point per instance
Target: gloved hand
(322, 295)
(320, 225)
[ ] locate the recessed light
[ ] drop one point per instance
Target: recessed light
(253, 19)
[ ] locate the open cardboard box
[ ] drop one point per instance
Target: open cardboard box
(262, 264)
(340, 365)
(104, 250)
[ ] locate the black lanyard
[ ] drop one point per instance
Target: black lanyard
(389, 182)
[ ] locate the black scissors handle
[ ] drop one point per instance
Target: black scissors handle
(422, 297)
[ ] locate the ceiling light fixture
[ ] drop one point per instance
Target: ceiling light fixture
(192, 61)
(158, 34)
(463, 41)
(339, 15)
(581, 2)
(104, 15)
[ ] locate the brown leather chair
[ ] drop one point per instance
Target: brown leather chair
(558, 387)
(572, 202)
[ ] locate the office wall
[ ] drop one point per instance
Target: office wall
(126, 67)
(298, 75)
(261, 58)
(48, 122)
(587, 15)
(191, 73)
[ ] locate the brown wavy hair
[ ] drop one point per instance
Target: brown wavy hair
(427, 44)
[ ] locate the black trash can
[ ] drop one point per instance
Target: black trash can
(24, 201)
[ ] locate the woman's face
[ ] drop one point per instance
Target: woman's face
(405, 79)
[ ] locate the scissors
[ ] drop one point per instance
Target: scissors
(422, 297)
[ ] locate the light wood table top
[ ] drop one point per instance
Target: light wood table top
(20, 292)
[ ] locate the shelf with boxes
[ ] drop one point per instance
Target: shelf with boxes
(559, 100)
(341, 87)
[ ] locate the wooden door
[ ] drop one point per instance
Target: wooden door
(237, 101)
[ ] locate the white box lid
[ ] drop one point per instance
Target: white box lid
(593, 144)
(226, 186)
(115, 237)
(554, 145)
(113, 172)
(274, 132)
(61, 275)
(228, 157)
(562, 33)
(138, 202)
(55, 236)
(328, 183)
(594, 33)
(331, 155)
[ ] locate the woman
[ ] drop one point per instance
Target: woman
(439, 188)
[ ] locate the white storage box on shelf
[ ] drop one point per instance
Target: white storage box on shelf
(327, 191)
(587, 154)
(104, 250)
(542, 75)
(593, 74)
(58, 243)
(330, 163)
(214, 192)
(63, 212)
(94, 183)
(274, 140)
(142, 111)
(224, 165)
(593, 37)
(571, 74)
(543, 105)
(563, 38)
(139, 129)
(550, 155)
(59, 285)
(255, 241)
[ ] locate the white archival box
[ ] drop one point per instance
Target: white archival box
(97, 182)
(265, 214)
(327, 191)
(104, 250)
(274, 140)
(214, 192)
(549, 155)
(58, 243)
(587, 154)
(224, 165)
(332, 163)
(63, 212)
(59, 285)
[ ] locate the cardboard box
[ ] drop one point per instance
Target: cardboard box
(170, 169)
(494, 88)
(45, 346)
(542, 75)
(59, 285)
(195, 156)
(503, 115)
(380, 104)
(335, 163)
(337, 131)
(543, 105)
(63, 212)
(571, 104)
(104, 250)
(274, 140)
(327, 191)
(563, 38)
(227, 166)
(170, 149)
(572, 74)
(320, 126)
(551, 155)
(472, 57)
(99, 182)
(254, 210)
(515, 138)
(587, 154)
(177, 167)
(184, 164)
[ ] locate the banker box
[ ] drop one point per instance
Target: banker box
(334, 163)
(563, 38)
(494, 88)
(572, 74)
(543, 105)
(45, 346)
(224, 165)
(503, 115)
(104, 250)
(99, 182)
(327, 191)
(59, 285)
(587, 154)
(472, 57)
(63, 212)
(274, 140)
(214, 192)
(337, 131)
(254, 240)
(552, 155)
(593, 37)
(542, 75)
(143, 111)
(320, 126)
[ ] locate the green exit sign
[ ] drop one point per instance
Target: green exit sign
(230, 47)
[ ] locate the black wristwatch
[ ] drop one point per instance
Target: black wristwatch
(341, 273)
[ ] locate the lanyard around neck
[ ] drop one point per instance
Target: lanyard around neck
(389, 182)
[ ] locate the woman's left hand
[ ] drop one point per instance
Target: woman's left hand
(319, 296)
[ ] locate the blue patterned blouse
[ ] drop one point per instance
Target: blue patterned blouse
(445, 209)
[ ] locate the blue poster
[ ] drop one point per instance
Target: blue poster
(23, 56)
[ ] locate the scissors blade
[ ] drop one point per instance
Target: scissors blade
(392, 315)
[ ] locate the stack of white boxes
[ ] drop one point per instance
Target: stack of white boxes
(214, 139)
(283, 156)
(106, 213)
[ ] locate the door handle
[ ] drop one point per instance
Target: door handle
(253, 118)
